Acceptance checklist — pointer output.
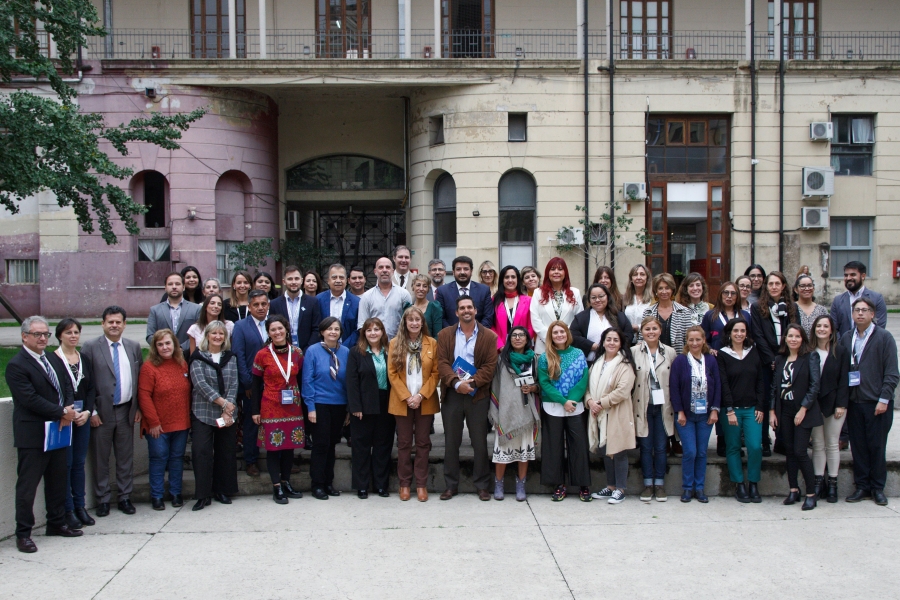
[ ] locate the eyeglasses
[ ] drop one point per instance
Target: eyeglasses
(729, 293)
(744, 286)
(755, 276)
(806, 286)
(517, 335)
(858, 311)
(598, 298)
(486, 271)
(39, 334)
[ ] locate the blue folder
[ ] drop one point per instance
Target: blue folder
(465, 371)
(56, 438)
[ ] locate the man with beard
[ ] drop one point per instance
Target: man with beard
(174, 312)
(436, 270)
(356, 282)
(463, 285)
(402, 277)
(300, 309)
(386, 300)
(854, 281)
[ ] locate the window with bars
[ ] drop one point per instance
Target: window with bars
(645, 30)
(801, 24)
(209, 28)
(19, 271)
(343, 28)
(224, 272)
(851, 239)
(445, 218)
(853, 144)
(687, 146)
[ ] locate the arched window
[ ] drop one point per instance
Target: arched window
(345, 172)
(518, 199)
(153, 244)
(445, 218)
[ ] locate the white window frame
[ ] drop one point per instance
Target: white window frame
(837, 270)
(224, 272)
(22, 271)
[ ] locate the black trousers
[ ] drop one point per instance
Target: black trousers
(213, 457)
(456, 409)
(372, 439)
(564, 446)
(329, 423)
(767, 386)
(868, 440)
(796, 444)
(34, 465)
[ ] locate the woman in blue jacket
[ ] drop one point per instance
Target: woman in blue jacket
(695, 392)
(325, 394)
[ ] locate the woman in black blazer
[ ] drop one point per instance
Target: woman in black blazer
(604, 314)
(371, 426)
(834, 397)
(775, 305)
(795, 404)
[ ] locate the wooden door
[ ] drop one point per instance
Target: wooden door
(717, 242)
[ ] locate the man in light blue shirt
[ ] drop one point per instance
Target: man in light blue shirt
(385, 301)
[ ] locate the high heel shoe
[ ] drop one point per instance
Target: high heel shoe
(793, 498)
(809, 503)
(832, 490)
(821, 490)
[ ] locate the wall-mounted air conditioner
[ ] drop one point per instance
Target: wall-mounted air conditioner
(292, 220)
(814, 217)
(821, 132)
(573, 236)
(635, 190)
(818, 181)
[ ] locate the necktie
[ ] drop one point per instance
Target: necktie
(464, 291)
(117, 393)
(262, 330)
(402, 280)
(52, 374)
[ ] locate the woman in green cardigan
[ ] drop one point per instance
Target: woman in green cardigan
(433, 311)
(563, 377)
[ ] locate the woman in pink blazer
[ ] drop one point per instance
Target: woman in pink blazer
(511, 306)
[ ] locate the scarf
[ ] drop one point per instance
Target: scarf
(601, 375)
(511, 412)
(557, 304)
(511, 294)
(776, 311)
(415, 356)
(517, 360)
(335, 365)
(217, 367)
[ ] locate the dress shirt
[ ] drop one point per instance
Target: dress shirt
(853, 298)
(465, 348)
(261, 328)
(124, 371)
(175, 313)
(461, 288)
(293, 309)
(404, 283)
(595, 331)
(414, 379)
(337, 305)
(387, 308)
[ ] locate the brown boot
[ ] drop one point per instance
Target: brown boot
(404, 493)
(422, 494)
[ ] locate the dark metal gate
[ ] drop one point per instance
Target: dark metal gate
(359, 238)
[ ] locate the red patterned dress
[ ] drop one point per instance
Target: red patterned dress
(280, 425)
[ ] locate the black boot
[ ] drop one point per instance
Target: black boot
(754, 493)
(821, 492)
(809, 503)
(740, 493)
(72, 521)
(832, 490)
(289, 491)
(793, 498)
(278, 495)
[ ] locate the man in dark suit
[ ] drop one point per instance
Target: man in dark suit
(300, 310)
(437, 270)
(115, 365)
(463, 285)
(174, 312)
(247, 339)
(339, 303)
(41, 391)
(855, 282)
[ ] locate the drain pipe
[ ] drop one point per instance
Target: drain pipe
(753, 160)
(781, 137)
(611, 69)
(587, 194)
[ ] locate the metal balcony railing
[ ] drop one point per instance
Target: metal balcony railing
(836, 45)
(679, 45)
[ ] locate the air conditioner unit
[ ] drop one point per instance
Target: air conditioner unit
(814, 217)
(818, 181)
(573, 236)
(636, 189)
(292, 220)
(821, 132)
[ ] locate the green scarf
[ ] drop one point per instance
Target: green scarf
(517, 360)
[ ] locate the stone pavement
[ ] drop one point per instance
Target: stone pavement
(384, 548)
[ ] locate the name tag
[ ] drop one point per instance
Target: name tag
(854, 378)
(220, 422)
(287, 396)
(79, 405)
(658, 397)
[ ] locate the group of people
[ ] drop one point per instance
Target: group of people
(518, 355)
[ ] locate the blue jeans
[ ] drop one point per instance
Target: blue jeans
(653, 447)
(694, 441)
(166, 451)
(75, 457)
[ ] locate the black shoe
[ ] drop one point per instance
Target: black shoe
(26, 545)
(879, 498)
(820, 492)
(72, 521)
(687, 495)
(331, 491)
(754, 493)
(362, 494)
(792, 498)
(859, 495)
(63, 531)
(767, 450)
(177, 501)
(127, 507)
(832, 490)
(222, 498)
(103, 509)
(319, 494)
(278, 495)
(84, 517)
(201, 504)
(157, 504)
(289, 491)
(700, 496)
(740, 493)
(384, 493)
(809, 503)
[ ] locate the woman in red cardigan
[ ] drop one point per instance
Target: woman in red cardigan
(511, 306)
(164, 393)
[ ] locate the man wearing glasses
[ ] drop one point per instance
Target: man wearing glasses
(338, 303)
(854, 281)
(873, 379)
(437, 270)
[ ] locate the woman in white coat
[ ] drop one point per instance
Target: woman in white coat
(555, 300)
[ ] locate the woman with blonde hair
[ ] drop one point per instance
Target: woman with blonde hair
(419, 287)
(531, 279)
(237, 305)
(638, 296)
(413, 375)
(487, 274)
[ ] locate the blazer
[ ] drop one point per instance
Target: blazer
(840, 311)
(160, 318)
(582, 322)
(616, 399)
(543, 314)
(85, 390)
(349, 333)
(680, 384)
(35, 400)
(834, 383)
(399, 392)
(245, 343)
(97, 351)
(878, 372)
(665, 356)
(805, 387)
(714, 327)
(363, 394)
(310, 317)
(521, 318)
(763, 331)
(231, 313)
(485, 361)
(447, 294)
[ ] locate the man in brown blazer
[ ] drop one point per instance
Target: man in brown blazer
(477, 345)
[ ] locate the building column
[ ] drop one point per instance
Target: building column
(108, 43)
(748, 18)
(404, 20)
(436, 51)
(232, 29)
(262, 28)
(579, 29)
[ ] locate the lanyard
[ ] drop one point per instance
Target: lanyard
(76, 380)
(511, 312)
(286, 375)
(652, 362)
(698, 368)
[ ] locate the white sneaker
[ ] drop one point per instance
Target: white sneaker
(604, 493)
(617, 496)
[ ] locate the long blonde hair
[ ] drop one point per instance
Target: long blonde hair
(402, 338)
(554, 370)
(647, 296)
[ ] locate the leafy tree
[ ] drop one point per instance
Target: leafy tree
(46, 142)
(301, 253)
(601, 236)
